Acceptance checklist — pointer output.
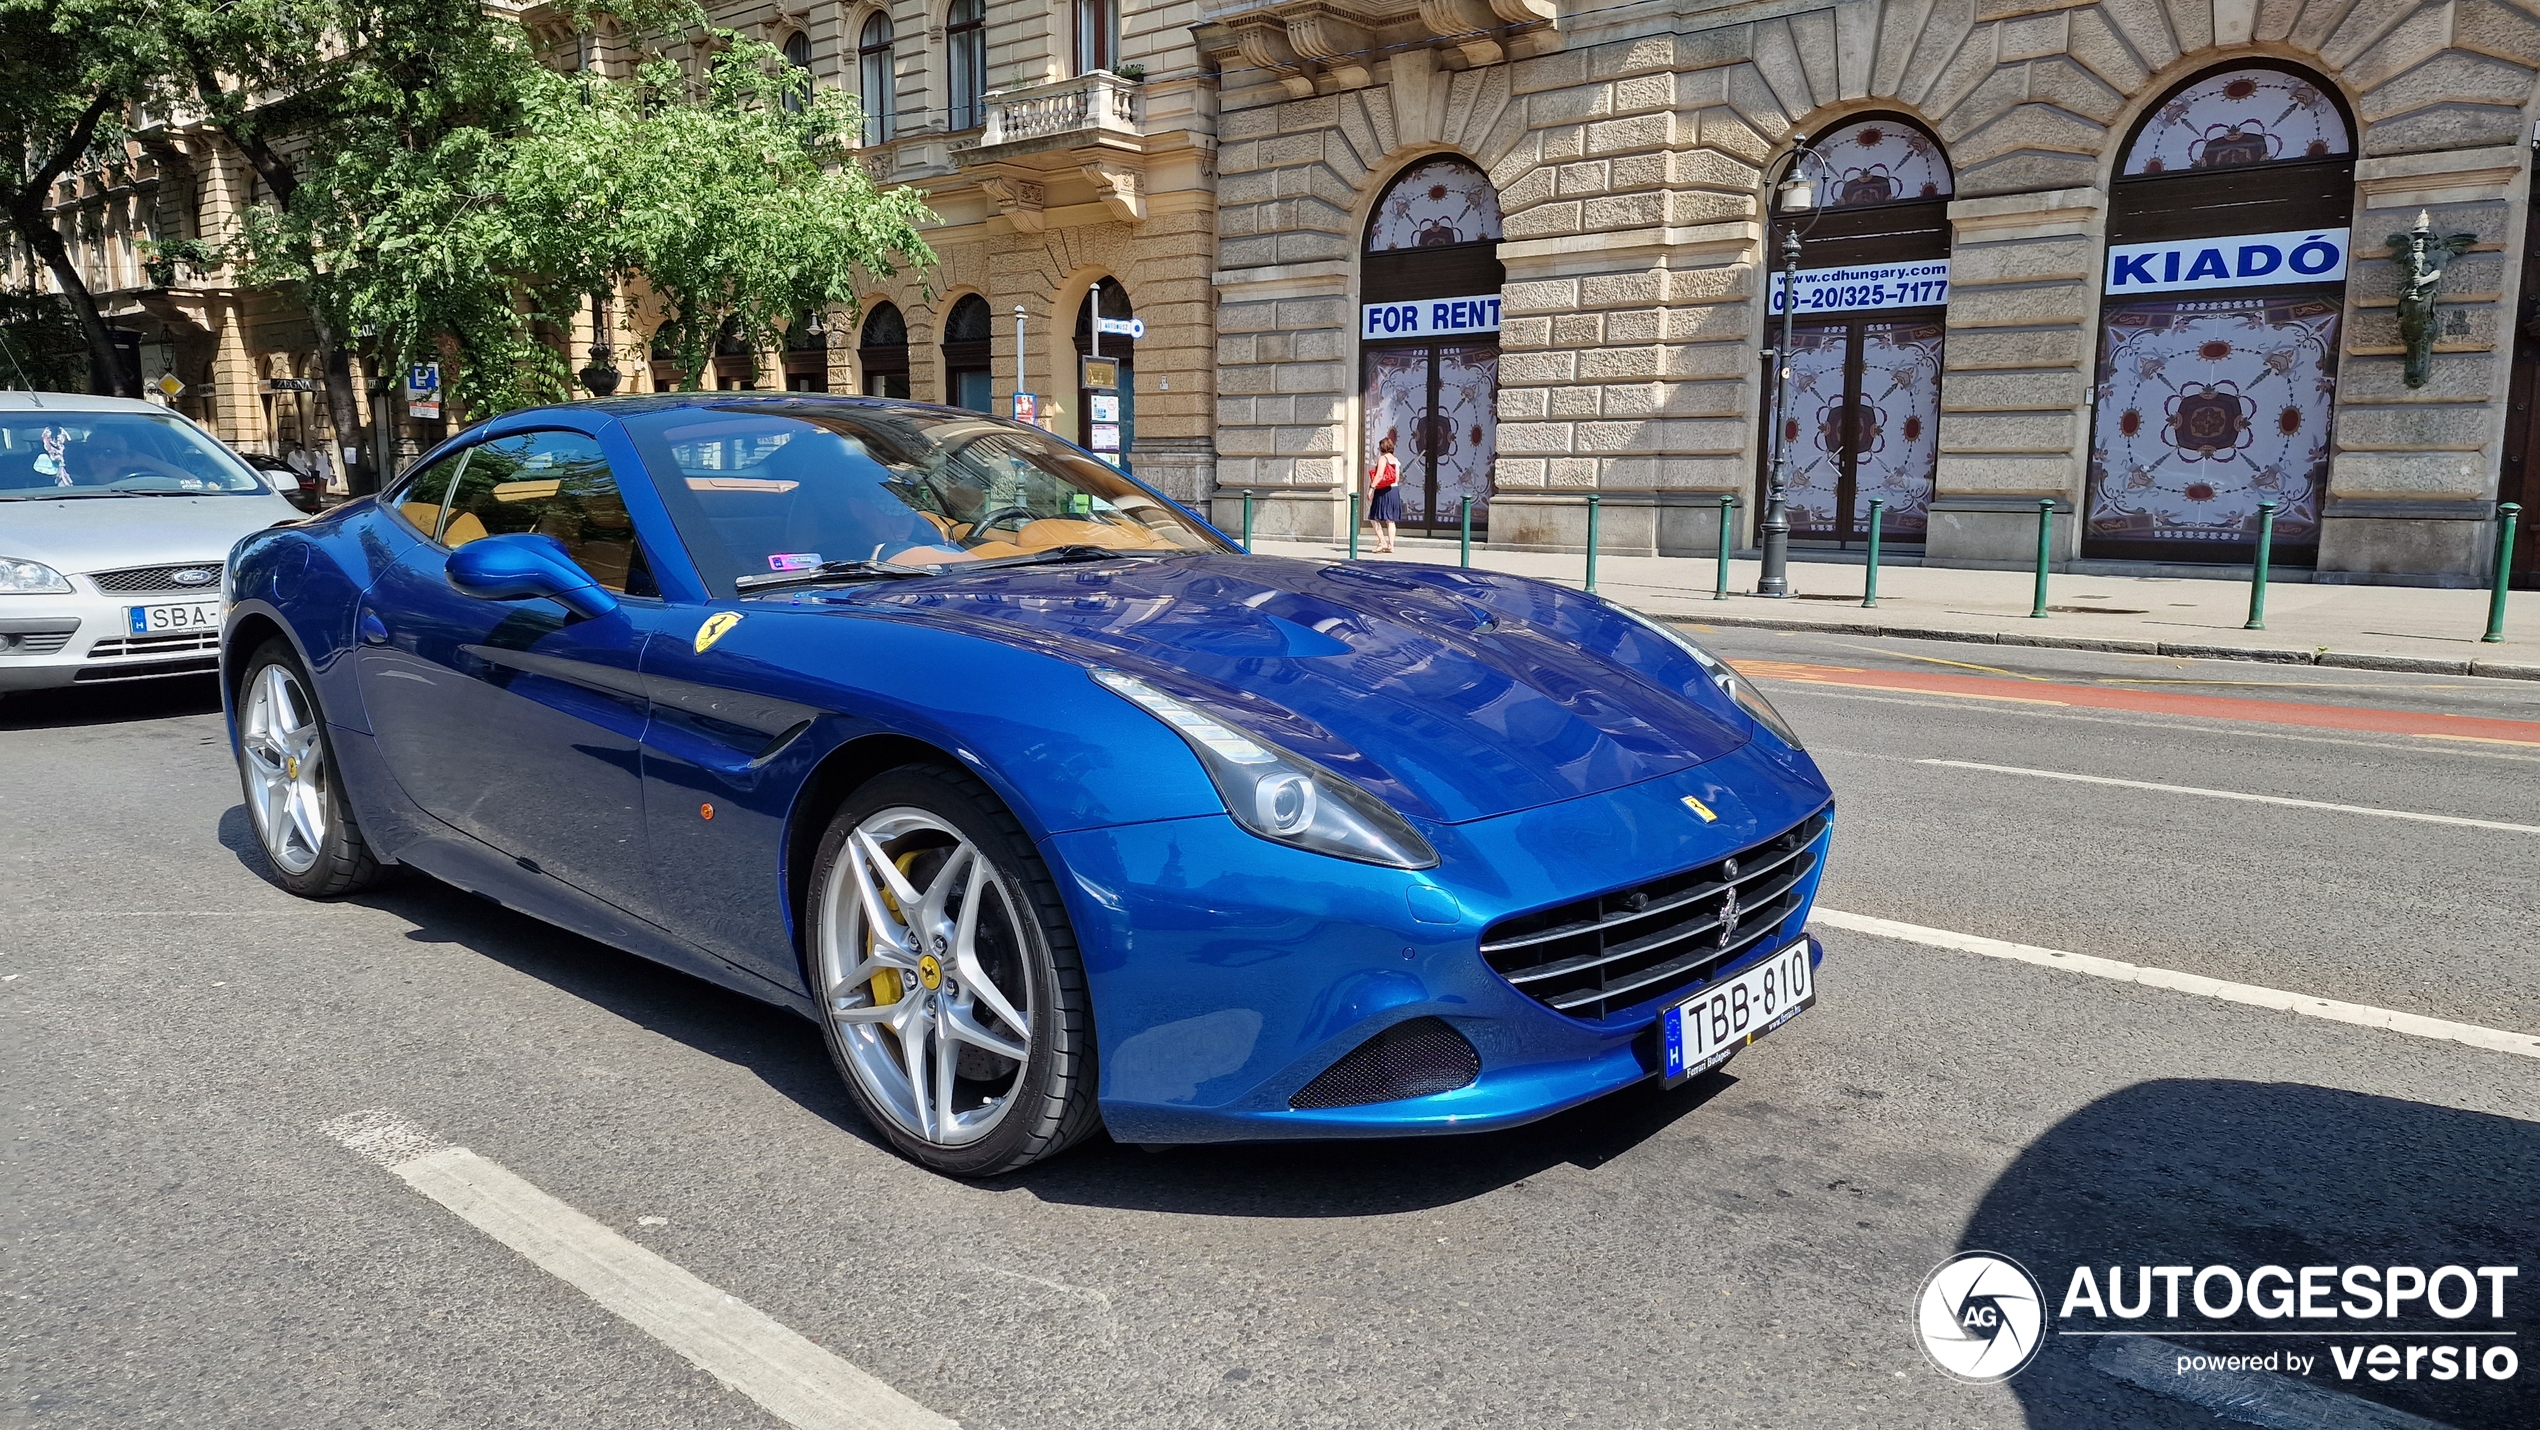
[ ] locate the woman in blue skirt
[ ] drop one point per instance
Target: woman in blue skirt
(1385, 507)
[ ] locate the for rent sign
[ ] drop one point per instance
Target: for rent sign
(1430, 317)
(2250, 261)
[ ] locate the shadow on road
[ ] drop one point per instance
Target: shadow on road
(1298, 1179)
(117, 703)
(2245, 1175)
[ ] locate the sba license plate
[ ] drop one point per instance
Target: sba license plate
(173, 618)
(1703, 1030)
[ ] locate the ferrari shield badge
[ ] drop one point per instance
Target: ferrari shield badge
(714, 629)
(1689, 802)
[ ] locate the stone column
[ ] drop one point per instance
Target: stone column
(2412, 484)
(2018, 369)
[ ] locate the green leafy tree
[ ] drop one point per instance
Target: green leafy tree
(69, 69)
(41, 343)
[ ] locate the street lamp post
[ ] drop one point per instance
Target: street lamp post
(1798, 197)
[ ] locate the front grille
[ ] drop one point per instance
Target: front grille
(1598, 957)
(149, 669)
(34, 642)
(1411, 1059)
(137, 580)
(156, 645)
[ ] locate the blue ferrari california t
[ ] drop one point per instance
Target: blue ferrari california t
(1050, 805)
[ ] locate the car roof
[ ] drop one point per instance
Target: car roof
(18, 399)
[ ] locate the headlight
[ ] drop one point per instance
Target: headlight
(31, 578)
(1738, 687)
(1281, 796)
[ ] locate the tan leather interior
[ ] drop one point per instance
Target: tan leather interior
(464, 528)
(422, 513)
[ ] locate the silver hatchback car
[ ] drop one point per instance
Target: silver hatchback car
(116, 519)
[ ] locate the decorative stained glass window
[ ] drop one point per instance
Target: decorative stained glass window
(1881, 161)
(1436, 202)
(2208, 407)
(2240, 117)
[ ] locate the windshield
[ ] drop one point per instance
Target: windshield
(763, 489)
(44, 455)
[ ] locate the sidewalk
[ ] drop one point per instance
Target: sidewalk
(2366, 627)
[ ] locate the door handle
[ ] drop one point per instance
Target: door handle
(373, 631)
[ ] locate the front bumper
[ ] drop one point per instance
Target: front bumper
(51, 641)
(1228, 972)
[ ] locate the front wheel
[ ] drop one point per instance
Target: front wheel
(949, 985)
(293, 795)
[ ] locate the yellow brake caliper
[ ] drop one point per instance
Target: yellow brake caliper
(886, 982)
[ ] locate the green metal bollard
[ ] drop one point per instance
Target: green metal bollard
(1591, 564)
(1466, 558)
(1870, 583)
(2258, 571)
(1353, 526)
(2507, 514)
(1247, 523)
(2045, 542)
(1720, 581)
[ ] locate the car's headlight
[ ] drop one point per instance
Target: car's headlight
(1737, 687)
(31, 578)
(1280, 795)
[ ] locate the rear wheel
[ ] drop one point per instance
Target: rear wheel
(293, 796)
(950, 989)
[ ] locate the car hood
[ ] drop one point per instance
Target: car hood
(1455, 694)
(109, 533)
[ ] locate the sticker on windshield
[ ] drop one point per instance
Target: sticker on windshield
(793, 561)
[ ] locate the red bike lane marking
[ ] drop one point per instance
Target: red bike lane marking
(2155, 702)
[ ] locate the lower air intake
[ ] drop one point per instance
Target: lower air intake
(1411, 1059)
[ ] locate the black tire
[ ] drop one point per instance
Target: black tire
(1053, 1102)
(341, 861)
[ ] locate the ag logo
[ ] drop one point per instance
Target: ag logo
(714, 628)
(1981, 1317)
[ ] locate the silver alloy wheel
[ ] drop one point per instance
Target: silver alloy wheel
(286, 769)
(945, 1056)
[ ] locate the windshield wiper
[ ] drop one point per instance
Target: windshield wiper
(829, 571)
(1055, 555)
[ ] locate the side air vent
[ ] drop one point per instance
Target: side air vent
(1411, 1059)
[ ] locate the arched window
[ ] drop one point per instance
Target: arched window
(1107, 422)
(2225, 288)
(798, 55)
(1429, 282)
(2238, 117)
(1864, 418)
(883, 352)
(968, 377)
(874, 71)
(735, 360)
(966, 53)
(1097, 35)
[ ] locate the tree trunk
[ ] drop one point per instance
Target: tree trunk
(106, 372)
(26, 214)
(353, 443)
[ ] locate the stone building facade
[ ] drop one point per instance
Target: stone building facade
(1634, 152)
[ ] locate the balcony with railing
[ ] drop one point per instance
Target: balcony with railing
(1097, 110)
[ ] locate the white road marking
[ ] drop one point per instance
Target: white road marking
(793, 1379)
(2361, 1014)
(2409, 814)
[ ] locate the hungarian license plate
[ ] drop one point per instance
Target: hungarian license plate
(1705, 1029)
(174, 618)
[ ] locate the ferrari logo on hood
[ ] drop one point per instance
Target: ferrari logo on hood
(714, 628)
(1688, 801)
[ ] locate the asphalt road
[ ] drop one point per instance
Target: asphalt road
(188, 1247)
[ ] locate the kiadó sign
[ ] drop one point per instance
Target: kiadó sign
(2270, 260)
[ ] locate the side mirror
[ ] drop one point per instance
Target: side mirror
(520, 566)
